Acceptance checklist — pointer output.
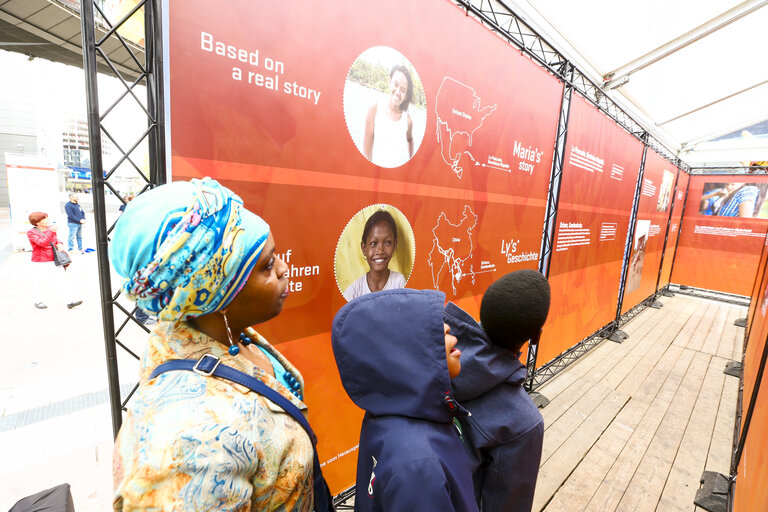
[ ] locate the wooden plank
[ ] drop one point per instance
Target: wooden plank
(738, 346)
(557, 384)
(557, 468)
(728, 338)
(649, 388)
(712, 341)
(646, 485)
(559, 431)
(693, 322)
(620, 351)
(659, 350)
(683, 480)
(564, 401)
(640, 351)
(721, 446)
(697, 339)
(577, 491)
(611, 489)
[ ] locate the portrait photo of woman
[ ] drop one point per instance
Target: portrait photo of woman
(385, 107)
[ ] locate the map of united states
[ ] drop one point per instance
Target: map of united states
(452, 247)
(459, 115)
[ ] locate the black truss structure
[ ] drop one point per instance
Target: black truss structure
(730, 298)
(496, 15)
(630, 234)
(666, 231)
(150, 67)
(744, 169)
(553, 198)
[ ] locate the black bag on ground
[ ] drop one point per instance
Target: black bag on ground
(55, 499)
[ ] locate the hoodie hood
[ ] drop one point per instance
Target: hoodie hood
(483, 364)
(390, 351)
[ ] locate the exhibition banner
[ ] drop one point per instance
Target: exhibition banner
(757, 287)
(723, 230)
(757, 330)
(322, 118)
(751, 487)
(600, 171)
(653, 210)
(678, 204)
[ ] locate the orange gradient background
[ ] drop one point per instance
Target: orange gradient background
(294, 162)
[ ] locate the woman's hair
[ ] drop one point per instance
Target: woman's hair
(409, 94)
(36, 217)
(379, 216)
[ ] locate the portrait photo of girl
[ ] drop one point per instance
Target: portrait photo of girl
(383, 256)
(385, 107)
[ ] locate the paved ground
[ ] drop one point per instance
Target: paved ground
(55, 423)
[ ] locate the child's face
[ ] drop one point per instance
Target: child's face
(379, 247)
(452, 354)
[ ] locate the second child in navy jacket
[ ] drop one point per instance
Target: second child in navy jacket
(504, 434)
(390, 348)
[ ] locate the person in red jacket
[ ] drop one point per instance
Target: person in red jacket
(41, 236)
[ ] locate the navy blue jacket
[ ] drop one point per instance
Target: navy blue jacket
(390, 350)
(74, 212)
(504, 434)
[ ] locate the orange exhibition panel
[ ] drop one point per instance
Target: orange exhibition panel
(600, 172)
(722, 235)
(653, 211)
(291, 107)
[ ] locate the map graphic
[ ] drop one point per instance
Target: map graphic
(452, 248)
(459, 115)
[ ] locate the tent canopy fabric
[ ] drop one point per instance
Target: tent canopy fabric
(689, 71)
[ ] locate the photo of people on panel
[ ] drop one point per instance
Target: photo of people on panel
(385, 107)
(734, 200)
(380, 257)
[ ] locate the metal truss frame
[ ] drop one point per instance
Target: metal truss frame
(559, 363)
(504, 22)
(666, 231)
(630, 234)
(553, 198)
(740, 170)
(702, 293)
(150, 68)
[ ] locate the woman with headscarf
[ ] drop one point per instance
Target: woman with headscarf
(207, 269)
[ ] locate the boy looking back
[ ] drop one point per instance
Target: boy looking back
(396, 358)
(503, 436)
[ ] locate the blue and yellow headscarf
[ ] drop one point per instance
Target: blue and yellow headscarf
(186, 248)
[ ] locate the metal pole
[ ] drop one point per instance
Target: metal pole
(680, 227)
(553, 198)
(631, 232)
(99, 208)
(155, 97)
(666, 233)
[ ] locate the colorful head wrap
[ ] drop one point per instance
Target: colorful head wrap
(186, 248)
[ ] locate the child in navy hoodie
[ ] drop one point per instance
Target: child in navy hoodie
(396, 358)
(503, 436)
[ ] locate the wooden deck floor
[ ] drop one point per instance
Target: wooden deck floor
(632, 426)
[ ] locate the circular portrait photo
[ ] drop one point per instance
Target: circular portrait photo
(375, 252)
(385, 107)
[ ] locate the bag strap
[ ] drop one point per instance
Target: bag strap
(209, 365)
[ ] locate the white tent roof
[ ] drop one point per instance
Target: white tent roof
(696, 69)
